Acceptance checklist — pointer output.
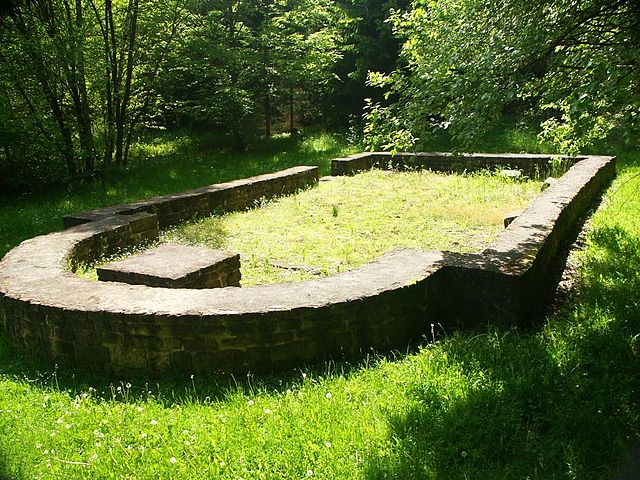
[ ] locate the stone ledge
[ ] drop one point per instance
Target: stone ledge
(529, 164)
(222, 197)
(176, 266)
(122, 327)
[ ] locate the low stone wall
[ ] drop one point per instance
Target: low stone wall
(118, 327)
(531, 165)
(201, 202)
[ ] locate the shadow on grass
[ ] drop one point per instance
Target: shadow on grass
(558, 403)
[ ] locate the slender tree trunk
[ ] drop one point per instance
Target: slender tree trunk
(83, 111)
(267, 115)
(292, 124)
(121, 117)
(41, 73)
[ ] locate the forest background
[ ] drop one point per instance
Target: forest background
(81, 81)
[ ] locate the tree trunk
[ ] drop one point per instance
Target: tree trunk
(126, 96)
(267, 115)
(83, 110)
(292, 124)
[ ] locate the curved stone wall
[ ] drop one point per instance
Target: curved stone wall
(119, 327)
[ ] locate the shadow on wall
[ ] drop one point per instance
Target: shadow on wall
(497, 404)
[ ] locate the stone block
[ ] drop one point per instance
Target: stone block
(510, 217)
(174, 266)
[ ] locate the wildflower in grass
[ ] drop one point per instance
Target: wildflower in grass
(173, 460)
(59, 421)
(98, 433)
(187, 443)
(328, 395)
(154, 422)
(267, 411)
(185, 432)
(309, 473)
(327, 444)
(251, 402)
(67, 426)
(143, 435)
(140, 409)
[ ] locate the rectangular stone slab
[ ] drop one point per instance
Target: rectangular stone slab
(176, 266)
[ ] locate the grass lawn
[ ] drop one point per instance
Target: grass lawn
(349, 221)
(556, 400)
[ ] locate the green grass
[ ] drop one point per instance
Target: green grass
(163, 163)
(560, 400)
(347, 222)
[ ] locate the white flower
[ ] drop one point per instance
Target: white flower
(187, 443)
(267, 411)
(154, 422)
(143, 435)
(327, 444)
(173, 460)
(67, 426)
(309, 473)
(251, 402)
(59, 421)
(328, 395)
(140, 409)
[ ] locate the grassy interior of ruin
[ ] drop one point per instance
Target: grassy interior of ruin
(346, 222)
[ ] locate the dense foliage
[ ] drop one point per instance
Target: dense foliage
(571, 66)
(80, 79)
